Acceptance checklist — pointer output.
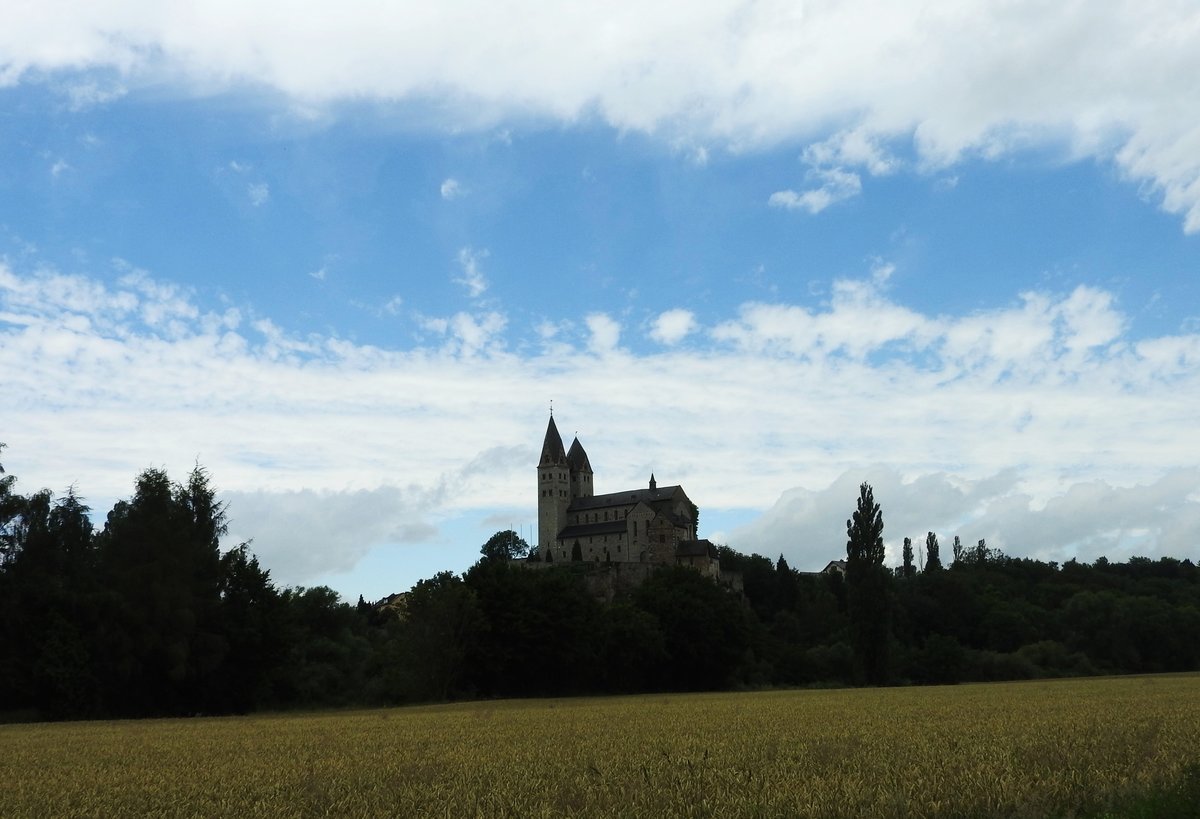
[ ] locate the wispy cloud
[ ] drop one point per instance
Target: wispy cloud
(834, 185)
(472, 278)
(451, 189)
(259, 193)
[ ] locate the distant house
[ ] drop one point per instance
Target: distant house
(835, 566)
(832, 567)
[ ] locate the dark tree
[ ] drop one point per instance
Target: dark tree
(576, 552)
(864, 533)
(788, 589)
(505, 545)
(957, 550)
(933, 562)
(253, 626)
(161, 565)
(9, 509)
(867, 582)
(440, 627)
(908, 570)
(704, 628)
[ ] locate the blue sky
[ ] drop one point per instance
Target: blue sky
(346, 257)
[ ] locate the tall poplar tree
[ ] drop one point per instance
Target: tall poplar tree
(867, 588)
(933, 561)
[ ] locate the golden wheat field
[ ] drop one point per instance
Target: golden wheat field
(1056, 748)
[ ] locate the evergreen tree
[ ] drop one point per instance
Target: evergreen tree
(908, 569)
(867, 582)
(160, 562)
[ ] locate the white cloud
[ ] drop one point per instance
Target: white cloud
(319, 274)
(673, 326)
(469, 335)
(605, 333)
(881, 271)
(59, 167)
(259, 193)
(451, 189)
(1087, 519)
(1040, 425)
(1110, 81)
(472, 278)
(302, 534)
(836, 185)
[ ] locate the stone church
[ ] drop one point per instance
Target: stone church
(652, 525)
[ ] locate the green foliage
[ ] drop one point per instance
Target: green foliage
(505, 545)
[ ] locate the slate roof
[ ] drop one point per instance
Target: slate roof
(696, 548)
(553, 453)
(627, 498)
(604, 527)
(578, 458)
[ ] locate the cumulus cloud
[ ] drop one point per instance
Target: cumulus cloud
(980, 78)
(1086, 520)
(605, 332)
(303, 534)
(451, 189)
(1040, 425)
(673, 326)
(472, 278)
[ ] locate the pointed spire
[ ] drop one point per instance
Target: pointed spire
(653, 483)
(552, 448)
(578, 458)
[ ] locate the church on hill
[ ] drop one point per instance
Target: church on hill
(655, 524)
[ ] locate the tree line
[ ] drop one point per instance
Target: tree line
(147, 616)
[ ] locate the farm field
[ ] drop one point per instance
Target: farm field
(1090, 747)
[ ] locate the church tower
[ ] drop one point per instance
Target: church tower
(554, 489)
(581, 471)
